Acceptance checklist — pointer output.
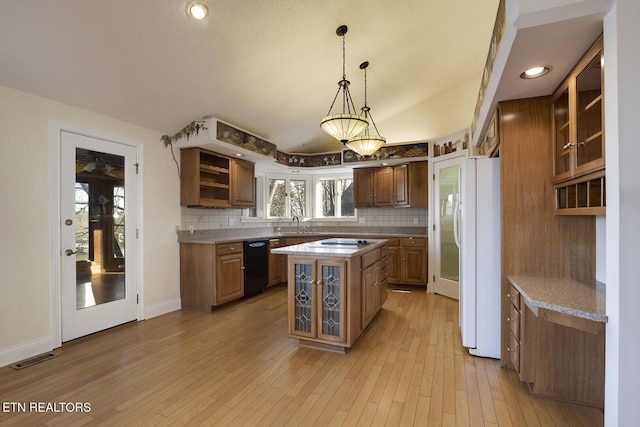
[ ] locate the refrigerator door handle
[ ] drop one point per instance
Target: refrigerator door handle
(456, 225)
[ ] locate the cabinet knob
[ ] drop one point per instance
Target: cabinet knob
(568, 145)
(508, 295)
(509, 350)
(581, 144)
(508, 319)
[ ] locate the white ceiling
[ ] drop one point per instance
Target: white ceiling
(269, 67)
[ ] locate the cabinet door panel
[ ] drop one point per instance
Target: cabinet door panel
(243, 187)
(302, 299)
(368, 299)
(383, 187)
(401, 185)
(229, 278)
(362, 188)
(393, 265)
(414, 266)
(332, 301)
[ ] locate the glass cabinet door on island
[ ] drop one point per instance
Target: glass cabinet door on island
(317, 300)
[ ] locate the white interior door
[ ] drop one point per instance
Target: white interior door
(446, 220)
(98, 256)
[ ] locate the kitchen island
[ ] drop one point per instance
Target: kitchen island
(335, 288)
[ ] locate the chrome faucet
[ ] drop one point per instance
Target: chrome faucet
(297, 218)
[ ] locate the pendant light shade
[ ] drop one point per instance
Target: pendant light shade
(346, 125)
(343, 127)
(366, 144)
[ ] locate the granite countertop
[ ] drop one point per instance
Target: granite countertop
(580, 298)
(207, 238)
(330, 247)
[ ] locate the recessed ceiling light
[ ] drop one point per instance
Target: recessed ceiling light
(239, 155)
(535, 72)
(197, 10)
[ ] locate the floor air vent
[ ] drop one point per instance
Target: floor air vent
(33, 360)
(402, 291)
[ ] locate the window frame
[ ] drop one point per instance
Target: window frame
(317, 208)
(308, 205)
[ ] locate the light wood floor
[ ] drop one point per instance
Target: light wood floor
(237, 367)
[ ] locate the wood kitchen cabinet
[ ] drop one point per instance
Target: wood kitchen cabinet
(407, 261)
(559, 354)
(374, 284)
(400, 185)
(413, 260)
(333, 297)
(210, 274)
(213, 180)
(578, 138)
(513, 319)
(317, 299)
(243, 187)
(393, 260)
(229, 272)
(537, 242)
(277, 264)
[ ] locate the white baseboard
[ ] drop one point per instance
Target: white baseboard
(159, 310)
(35, 347)
(26, 350)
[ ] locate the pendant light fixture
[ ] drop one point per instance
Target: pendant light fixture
(366, 144)
(348, 124)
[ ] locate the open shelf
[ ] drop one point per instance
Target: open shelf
(583, 196)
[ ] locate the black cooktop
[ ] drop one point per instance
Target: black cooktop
(356, 243)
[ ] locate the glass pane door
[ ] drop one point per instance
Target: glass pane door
(100, 228)
(446, 219)
(449, 186)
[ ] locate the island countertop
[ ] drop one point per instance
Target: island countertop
(580, 298)
(338, 247)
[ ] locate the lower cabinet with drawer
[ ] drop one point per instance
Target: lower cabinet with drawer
(210, 274)
(557, 355)
(407, 260)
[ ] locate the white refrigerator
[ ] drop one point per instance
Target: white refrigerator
(477, 233)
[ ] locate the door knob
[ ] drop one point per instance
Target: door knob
(69, 252)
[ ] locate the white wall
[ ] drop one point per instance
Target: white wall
(25, 232)
(622, 91)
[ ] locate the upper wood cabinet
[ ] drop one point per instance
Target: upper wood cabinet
(213, 180)
(578, 118)
(400, 185)
(243, 187)
(578, 125)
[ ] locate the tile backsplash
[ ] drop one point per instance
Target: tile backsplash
(212, 219)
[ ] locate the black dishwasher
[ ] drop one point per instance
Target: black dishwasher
(256, 266)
